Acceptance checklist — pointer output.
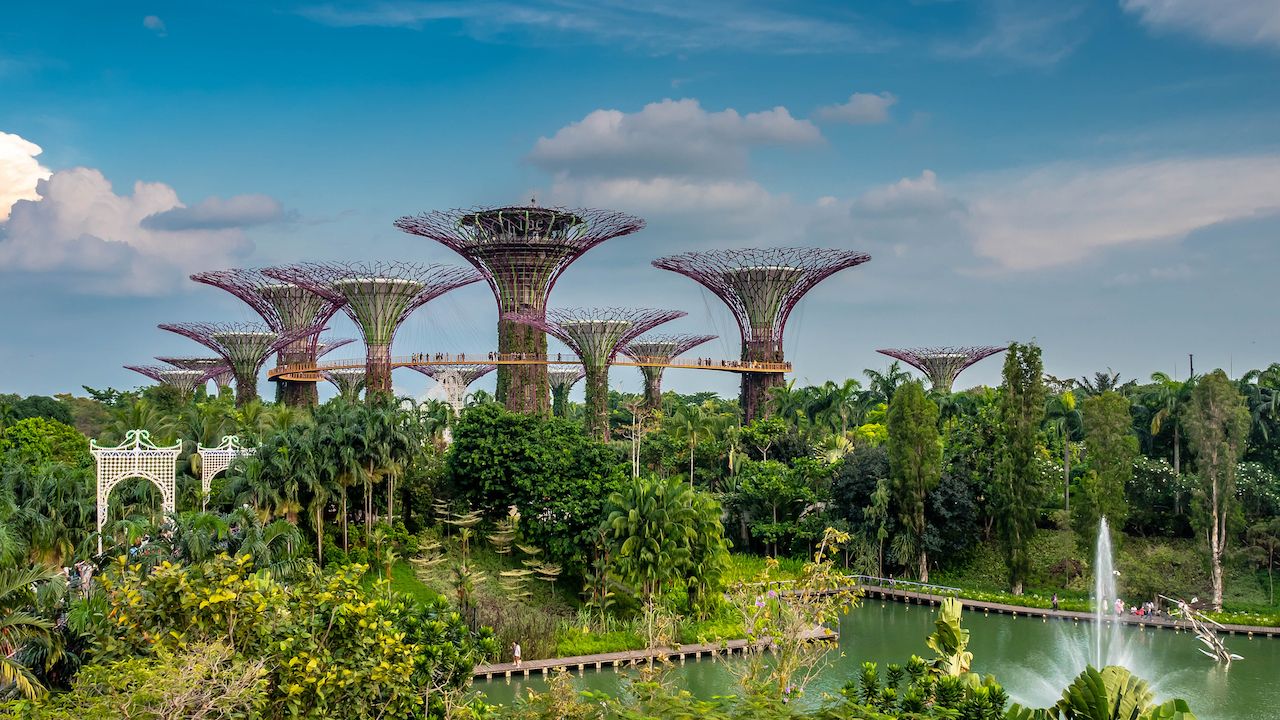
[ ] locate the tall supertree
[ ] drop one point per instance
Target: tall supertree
(349, 381)
(761, 286)
(212, 367)
(328, 345)
(562, 379)
(244, 347)
(285, 308)
(454, 379)
(596, 335)
(659, 349)
(522, 251)
(942, 364)
(184, 381)
(378, 296)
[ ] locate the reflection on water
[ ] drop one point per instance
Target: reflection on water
(1034, 659)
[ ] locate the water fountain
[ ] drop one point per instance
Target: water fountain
(1108, 638)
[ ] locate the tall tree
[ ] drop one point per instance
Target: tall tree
(1062, 414)
(915, 461)
(1110, 449)
(1018, 487)
(1170, 397)
(1217, 423)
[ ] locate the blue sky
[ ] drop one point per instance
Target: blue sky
(1103, 177)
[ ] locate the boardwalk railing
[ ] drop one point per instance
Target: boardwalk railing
(310, 371)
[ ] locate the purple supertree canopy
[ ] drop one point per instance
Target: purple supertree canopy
(282, 305)
(662, 348)
(185, 381)
(215, 368)
(328, 345)
(378, 296)
(942, 364)
(245, 346)
(520, 250)
(761, 286)
(597, 334)
(467, 373)
(565, 376)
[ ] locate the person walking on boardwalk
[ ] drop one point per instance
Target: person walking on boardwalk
(515, 653)
(1055, 601)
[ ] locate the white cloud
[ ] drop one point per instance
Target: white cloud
(1028, 32)
(19, 171)
(1059, 215)
(672, 137)
(861, 109)
(79, 226)
(1231, 22)
(155, 25)
(908, 196)
(218, 214)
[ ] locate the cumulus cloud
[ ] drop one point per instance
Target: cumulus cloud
(1231, 22)
(155, 25)
(907, 197)
(860, 109)
(218, 214)
(1062, 214)
(668, 138)
(79, 226)
(19, 171)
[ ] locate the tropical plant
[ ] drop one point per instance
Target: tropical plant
(20, 627)
(915, 462)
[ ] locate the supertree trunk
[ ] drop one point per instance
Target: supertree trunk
(295, 393)
(522, 388)
(652, 387)
(377, 371)
(756, 385)
(597, 403)
(560, 401)
(246, 390)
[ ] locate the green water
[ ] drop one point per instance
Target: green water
(1032, 658)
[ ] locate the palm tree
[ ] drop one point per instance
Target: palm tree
(1062, 416)
(691, 424)
(885, 384)
(20, 627)
(1171, 395)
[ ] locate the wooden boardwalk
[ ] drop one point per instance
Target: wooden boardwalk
(627, 657)
(919, 598)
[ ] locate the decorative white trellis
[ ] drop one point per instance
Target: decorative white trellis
(216, 459)
(136, 457)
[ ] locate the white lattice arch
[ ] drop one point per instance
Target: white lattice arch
(216, 459)
(136, 457)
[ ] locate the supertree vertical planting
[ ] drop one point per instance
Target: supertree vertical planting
(378, 296)
(659, 349)
(942, 364)
(285, 308)
(212, 367)
(244, 347)
(562, 380)
(761, 286)
(349, 381)
(522, 251)
(596, 335)
(184, 381)
(454, 379)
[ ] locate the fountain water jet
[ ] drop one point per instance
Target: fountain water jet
(1108, 642)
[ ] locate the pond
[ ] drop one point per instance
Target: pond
(1033, 658)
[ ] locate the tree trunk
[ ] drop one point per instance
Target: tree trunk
(924, 567)
(345, 547)
(320, 535)
(1066, 474)
(693, 447)
(1177, 453)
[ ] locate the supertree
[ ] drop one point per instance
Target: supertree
(184, 381)
(761, 286)
(349, 381)
(942, 364)
(378, 296)
(328, 345)
(454, 379)
(562, 379)
(596, 335)
(522, 251)
(244, 347)
(215, 368)
(285, 308)
(659, 349)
